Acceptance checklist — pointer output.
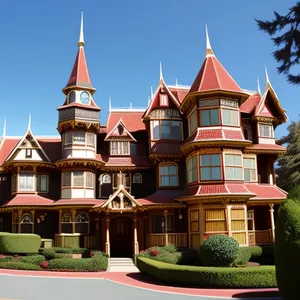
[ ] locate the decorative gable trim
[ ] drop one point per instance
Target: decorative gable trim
(119, 131)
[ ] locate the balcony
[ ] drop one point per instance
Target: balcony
(260, 237)
(163, 239)
(71, 113)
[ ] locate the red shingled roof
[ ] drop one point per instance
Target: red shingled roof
(213, 76)
(179, 92)
(161, 197)
(76, 104)
(7, 145)
(28, 200)
(249, 105)
(265, 191)
(131, 119)
(91, 202)
(233, 134)
(52, 147)
(161, 147)
(130, 161)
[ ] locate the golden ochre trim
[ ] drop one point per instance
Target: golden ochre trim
(78, 162)
(10, 165)
(156, 158)
(31, 207)
(273, 120)
(76, 124)
(125, 168)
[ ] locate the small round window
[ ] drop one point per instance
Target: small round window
(72, 97)
(85, 97)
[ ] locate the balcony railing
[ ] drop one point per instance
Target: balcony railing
(260, 237)
(161, 239)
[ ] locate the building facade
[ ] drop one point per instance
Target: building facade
(198, 161)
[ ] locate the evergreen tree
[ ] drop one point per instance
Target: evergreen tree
(288, 53)
(288, 171)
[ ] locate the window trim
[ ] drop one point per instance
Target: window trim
(210, 108)
(72, 186)
(255, 163)
(47, 182)
(139, 175)
(191, 170)
(238, 116)
(210, 166)
(272, 131)
(71, 141)
(233, 166)
(189, 117)
(119, 153)
(176, 175)
(33, 182)
(159, 128)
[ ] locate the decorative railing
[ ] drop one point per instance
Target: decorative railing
(162, 239)
(260, 237)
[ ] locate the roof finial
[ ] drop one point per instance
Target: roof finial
(209, 51)
(160, 72)
(267, 77)
(151, 93)
(176, 82)
(29, 123)
(109, 104)
(4, 129)
(81, 38)
(149, 100)
(258, 85)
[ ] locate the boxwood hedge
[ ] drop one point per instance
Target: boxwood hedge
(209, 277)
(19, 243)
(18, 265)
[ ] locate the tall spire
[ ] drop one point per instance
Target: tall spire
(209, 51)
(81, 37)
(4, 129)
(258, 85)
(160, 72)
(268, 83)
(151, 89)
(29, 123)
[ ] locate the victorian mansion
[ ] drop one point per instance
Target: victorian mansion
(198, 161)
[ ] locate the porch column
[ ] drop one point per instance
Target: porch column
(59, 221)
(19, 220)
(107, 243)
(33, 217)
(272, 222)
(73, 212)
(136, 243)
(166, 226)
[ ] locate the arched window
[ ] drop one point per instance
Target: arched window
(66, 218)
(72, 97)
(137, 178)
(105, 188)
(66, 223)
(27, 223)
(26, 218)
(82, 223)
(105, 178)
(82, 218)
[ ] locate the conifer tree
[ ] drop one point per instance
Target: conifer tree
(288, 43)
(288, 170)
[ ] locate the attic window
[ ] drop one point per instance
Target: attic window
(120, 129)
(163, 100)
(28, 153)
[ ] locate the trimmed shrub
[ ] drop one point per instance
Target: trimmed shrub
(256, 252)
(287, 249)
(62, 255)
(18, 265)
(6, 258)
(243, 257)
(219, 251)
(49, 253)
(32, 259)
(208, 277)
(19, 243)
(170, 248)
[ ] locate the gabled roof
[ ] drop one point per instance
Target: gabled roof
(212, 75)
(249, 105)
(115, 132)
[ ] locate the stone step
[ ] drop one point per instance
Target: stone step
(122, 265)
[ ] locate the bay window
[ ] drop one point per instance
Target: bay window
(42, 183)
(78, 179)
(166, 130)
(210, 167)
(26, 181)
(78, 137)
(193, 121)
(233, 167)
(192, 169)
(249, 169)
(209, 117)
(266, 130)
(119, 148)
(230, 117)
(81, 138)
(168, 176)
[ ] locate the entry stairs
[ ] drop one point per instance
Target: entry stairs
(118, 264)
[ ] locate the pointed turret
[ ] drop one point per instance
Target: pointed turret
(80, 77)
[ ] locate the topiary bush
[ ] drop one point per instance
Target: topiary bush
(219, 251)
(256, 252)
(287, 249)
(243, 257)
(19, 243)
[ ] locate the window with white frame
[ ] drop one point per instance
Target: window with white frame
(68, 138)
(230, 117)
(233, 167)
(193, 121)
(192, 169)
(168, 175)
(26, 181)
(166, 130)
(266, 130)
(90, 137)
(90, 179)
(249, 169)
(66, 179)
(42, 182)
(119, 148)
(209, 117)
(78, 179)
(78, 137)
(210, 167)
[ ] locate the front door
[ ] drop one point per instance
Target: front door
(121, 244)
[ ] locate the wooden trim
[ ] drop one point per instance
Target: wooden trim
(176, 175)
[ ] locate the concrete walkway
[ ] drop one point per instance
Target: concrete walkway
(122, 265)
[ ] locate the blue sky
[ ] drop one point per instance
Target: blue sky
(125, 41)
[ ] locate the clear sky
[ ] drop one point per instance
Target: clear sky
(125, 41)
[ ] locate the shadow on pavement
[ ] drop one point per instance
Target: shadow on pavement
(257, 294)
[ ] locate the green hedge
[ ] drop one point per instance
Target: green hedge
(243, 257)
(208, 277)
(287, 249)
(19, 243)
(32, 259)
(18, 265)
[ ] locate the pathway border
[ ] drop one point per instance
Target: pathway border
(138, 280)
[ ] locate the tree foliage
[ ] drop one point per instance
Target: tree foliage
(288, 171)
(288, 40)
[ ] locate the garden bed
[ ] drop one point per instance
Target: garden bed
(208, 277)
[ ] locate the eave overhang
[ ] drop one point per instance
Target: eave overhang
(79, 162)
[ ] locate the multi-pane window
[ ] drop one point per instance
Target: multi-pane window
(209, 117)
(193, 121)
(90, 137)
(66, 179)
(26, 181)
(42, 183)
(78, 179)
(166, 130)
(78, 137)
(192, 170)
(119, 148)
(210, 167)
(230, 117)
(266, 130)
(233, 167)
(89, 180)
(68, 137)
(168, 175)
(249, 169)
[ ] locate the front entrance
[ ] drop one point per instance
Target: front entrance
(121, 244)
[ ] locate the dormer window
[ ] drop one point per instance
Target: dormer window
(266, 130)
(119, 148)
(166, 130)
